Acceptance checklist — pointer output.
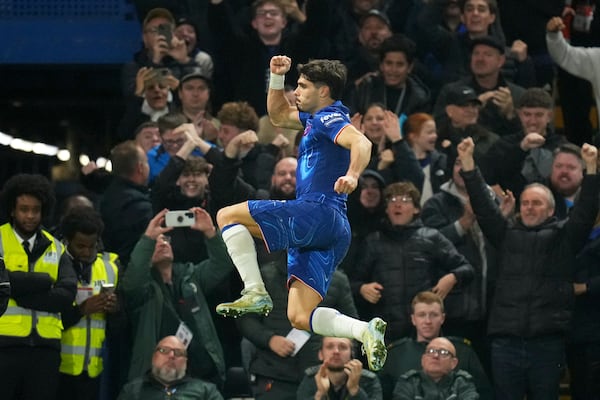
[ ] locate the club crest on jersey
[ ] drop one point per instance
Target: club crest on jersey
(329, 119)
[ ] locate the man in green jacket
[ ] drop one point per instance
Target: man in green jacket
(427, 315)
(438, 378)
(168, 377)
(168, 298)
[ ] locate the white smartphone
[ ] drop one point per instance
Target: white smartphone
(179, 218)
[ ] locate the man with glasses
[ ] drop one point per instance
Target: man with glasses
(401, 259)
(437, 378)
(167, 297)
(168, 377)
(276, 27)
(428, 316)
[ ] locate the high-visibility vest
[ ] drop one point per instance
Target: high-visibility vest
(81, 344)
(19, 321)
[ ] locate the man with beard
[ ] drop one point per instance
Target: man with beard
(43, 284)
(168, 377)
(375, 27)
(566, 177)
(313, 228)
(340, 376)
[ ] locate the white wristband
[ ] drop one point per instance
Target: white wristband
(276, 81)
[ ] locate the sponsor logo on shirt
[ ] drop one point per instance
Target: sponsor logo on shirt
(332, 118)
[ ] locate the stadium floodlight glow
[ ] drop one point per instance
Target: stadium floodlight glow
(45, 149)
(20, 144)
(5, 139)
(84, 159)
(101, 162)
(63, 155)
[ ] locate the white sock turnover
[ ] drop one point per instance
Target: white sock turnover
(330, 322)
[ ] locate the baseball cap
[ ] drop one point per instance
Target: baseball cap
(376, 13)
(488, 41)
(159, 13)
(462, 95)
(192, 73)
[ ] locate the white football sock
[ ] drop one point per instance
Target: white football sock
(240, 246)
(330, 322)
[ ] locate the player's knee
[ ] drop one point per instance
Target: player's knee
(299, 320)
(224, 217)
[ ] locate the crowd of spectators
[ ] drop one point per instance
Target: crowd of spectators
(475, 212)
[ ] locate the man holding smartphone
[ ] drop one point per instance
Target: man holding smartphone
(85, 322)
(161, 49)
(167, 297)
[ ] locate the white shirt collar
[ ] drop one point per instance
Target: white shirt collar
(29, 241)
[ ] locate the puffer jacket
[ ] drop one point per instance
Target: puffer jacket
(405, 260)
(534, 292)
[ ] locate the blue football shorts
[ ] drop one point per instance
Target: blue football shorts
(316, 235)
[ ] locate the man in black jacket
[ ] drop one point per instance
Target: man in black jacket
(531, 308)
(402, 259)
(125, 206)
(43, 284)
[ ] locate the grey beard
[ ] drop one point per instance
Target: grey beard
(168, 375)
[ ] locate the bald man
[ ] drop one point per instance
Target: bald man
(437, 377)
(168, 376)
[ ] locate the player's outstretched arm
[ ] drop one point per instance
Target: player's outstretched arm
(360, 154)
(281, 112)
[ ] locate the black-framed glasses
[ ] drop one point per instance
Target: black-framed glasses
(176, 352)
(442, 353)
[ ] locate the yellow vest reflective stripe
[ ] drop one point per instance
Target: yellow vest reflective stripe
(19, 321)
(81, 344)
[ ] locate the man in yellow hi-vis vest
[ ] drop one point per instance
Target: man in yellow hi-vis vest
(43, 284)
(85, 322)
